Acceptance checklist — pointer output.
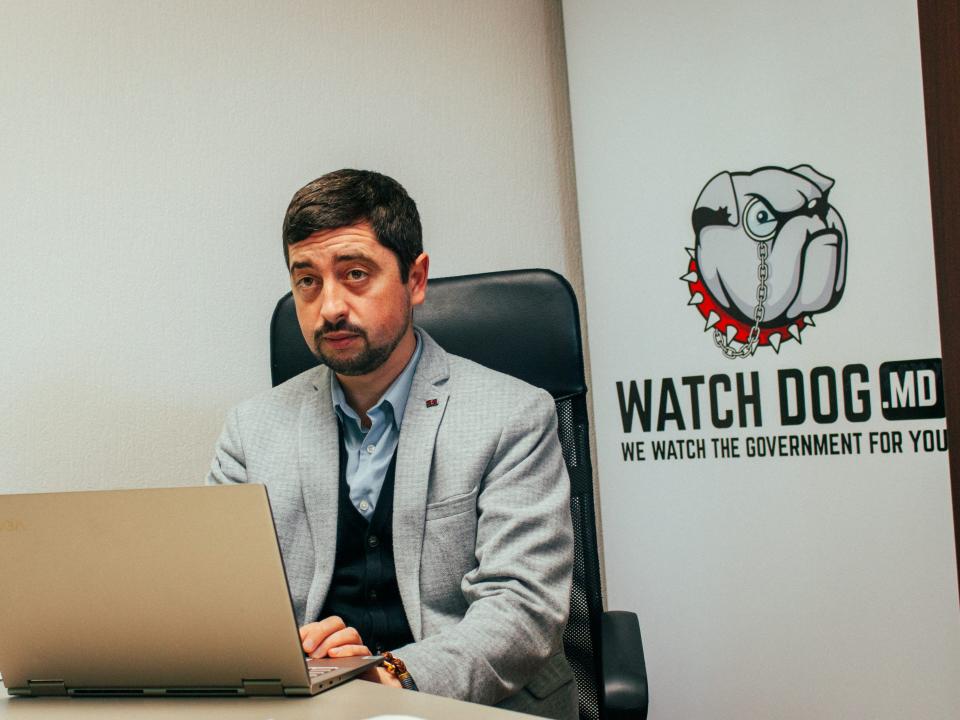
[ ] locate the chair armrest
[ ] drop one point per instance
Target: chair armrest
(624, 670)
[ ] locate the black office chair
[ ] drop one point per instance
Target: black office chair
(525, 323)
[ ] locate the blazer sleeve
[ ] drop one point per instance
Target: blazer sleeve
(518, 594)
(228, 465)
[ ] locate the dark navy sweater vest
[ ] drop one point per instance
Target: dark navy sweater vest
(364, 589)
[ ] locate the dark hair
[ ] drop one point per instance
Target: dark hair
(346, 197)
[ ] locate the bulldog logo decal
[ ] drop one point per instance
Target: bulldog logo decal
(770, 252)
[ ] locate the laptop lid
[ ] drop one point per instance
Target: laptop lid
(174, 590)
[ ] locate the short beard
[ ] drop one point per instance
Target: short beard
(364, 362)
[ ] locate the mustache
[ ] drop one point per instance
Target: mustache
(340, 326)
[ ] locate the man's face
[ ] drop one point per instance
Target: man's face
(353, 308)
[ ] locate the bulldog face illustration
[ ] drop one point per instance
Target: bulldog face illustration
(801, 268)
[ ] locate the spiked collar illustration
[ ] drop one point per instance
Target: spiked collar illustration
(729, 329)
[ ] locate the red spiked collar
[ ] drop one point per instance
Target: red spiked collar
(718, 318)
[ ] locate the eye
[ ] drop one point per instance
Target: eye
(306, 282)
(759, 220)
(356, 274)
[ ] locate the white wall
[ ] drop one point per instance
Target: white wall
(147, 155)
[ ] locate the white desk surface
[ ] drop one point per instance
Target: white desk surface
(353, 700)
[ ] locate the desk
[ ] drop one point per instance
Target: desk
(351, 701)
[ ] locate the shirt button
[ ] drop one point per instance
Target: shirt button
(373, 541)
(364, 505)
(373, 594)
(371, 448)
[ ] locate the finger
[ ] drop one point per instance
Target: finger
(347, 636)
(315, 633)
(321, 628)
(348, 650)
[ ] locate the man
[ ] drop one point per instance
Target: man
(420, 500)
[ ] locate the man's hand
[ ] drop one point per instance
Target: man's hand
(380, 675)
(331, 638)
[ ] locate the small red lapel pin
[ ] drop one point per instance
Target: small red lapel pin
(432, 402)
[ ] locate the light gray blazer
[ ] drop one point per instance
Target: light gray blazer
(481, 522)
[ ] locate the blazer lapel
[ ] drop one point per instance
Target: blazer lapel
(319, 483)
(418, 434)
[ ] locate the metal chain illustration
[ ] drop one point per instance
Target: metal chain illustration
(750, 347)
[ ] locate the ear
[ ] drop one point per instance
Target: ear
(417, 279)
(717, 203)
(807, 171)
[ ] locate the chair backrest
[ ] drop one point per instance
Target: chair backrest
(524, 323)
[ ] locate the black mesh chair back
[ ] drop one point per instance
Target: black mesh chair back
(524, 323)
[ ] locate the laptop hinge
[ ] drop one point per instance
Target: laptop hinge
(262, 687)
(38, 688)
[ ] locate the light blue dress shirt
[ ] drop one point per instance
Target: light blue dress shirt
(369, 451)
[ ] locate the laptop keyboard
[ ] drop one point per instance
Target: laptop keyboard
(316, 672)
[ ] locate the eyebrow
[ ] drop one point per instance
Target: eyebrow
(301, 265)
(346, 257)
(350, 257)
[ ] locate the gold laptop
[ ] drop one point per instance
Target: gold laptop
(174, 591)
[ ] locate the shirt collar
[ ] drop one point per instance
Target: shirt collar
(395, 396)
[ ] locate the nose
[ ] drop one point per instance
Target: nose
(333, 305)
